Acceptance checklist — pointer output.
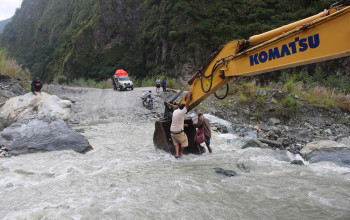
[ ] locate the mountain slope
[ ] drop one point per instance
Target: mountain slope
(87, 38)
(3, 23)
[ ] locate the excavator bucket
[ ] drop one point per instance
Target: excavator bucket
(162, 137)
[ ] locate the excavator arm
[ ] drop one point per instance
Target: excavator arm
(318, 38)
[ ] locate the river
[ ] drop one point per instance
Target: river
(125, 177)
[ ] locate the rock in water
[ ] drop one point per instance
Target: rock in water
(339, 156)
(23, 106)
(40, 135)
(228, 173)
(252, 142)
(331, 151)
(318, 145)
(345, 140)
(297, 162)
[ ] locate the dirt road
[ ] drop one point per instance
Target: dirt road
(98, 105)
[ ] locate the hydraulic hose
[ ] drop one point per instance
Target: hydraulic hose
(221, 98)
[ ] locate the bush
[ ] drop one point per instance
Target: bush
(90, 83)
(61, 80)
(320, 96)
(151, 82)
(11, 68)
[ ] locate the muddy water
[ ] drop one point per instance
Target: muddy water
(124, 177)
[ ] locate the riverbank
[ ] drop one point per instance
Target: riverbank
(263, 120)
(288, 129)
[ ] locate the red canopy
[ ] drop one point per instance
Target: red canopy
(121, 72)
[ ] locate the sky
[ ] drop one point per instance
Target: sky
(8, 8)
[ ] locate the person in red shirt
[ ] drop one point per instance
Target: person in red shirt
(203, 122)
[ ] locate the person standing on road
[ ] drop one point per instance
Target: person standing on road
(177, 127)
(157, 85)
(36, 85)
(114, 82)
(203, 122)
(164, 85)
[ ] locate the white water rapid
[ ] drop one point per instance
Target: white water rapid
(124, 177)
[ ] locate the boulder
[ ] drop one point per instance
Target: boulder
(339, 156)
(345, 140)
(41, 135)
(328, 150)
(10, 87)
(318, 145)
(252, 142)
(20, 107)
(220, 124)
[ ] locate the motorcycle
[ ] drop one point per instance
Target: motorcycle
(148, 102)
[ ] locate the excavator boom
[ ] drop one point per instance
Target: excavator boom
(318, 38)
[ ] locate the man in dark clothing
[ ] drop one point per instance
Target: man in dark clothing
(164, 85)
(114, 82)
(36, 85)
(203, 122)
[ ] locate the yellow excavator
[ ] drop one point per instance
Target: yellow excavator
(318, 38)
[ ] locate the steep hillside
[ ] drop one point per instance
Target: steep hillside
(87, 38)
(3, 23)
(75, 38)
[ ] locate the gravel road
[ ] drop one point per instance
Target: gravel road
(99, 105)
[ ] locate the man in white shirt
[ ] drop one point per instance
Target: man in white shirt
(157, 85)
(177, 127)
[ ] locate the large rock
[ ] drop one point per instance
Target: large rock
(339, 156)
(252, 143)
(219, 123)
(318, 145)
(345, 140)
(40, 135)
(9, 87)
(26, 105)
(318, 151)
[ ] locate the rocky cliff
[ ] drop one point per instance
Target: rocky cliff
(3, 23)
(87, 38)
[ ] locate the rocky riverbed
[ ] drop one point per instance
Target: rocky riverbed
(308, 124)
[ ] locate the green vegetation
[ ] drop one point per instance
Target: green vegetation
(91, 39)
(11, 68)
(201, 106)
(295, 92)
(83, 82)
(171, 83)
(3, 23)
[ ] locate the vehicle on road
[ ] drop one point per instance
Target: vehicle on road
(122, 80)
